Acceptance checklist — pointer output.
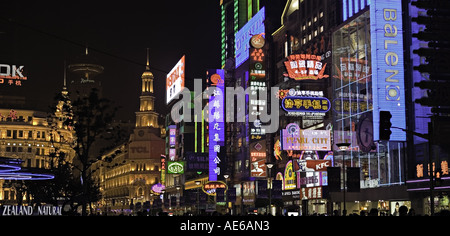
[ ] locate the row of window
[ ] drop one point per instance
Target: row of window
(23, 134)
(39, 151)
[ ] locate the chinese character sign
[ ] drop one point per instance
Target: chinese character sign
(305, 66)
(216, 124)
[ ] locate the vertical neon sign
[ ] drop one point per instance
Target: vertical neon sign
(388, 76)
(216, 122)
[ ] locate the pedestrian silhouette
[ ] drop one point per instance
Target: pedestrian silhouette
(403, 211)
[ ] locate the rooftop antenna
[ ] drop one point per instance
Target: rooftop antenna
(148, 61)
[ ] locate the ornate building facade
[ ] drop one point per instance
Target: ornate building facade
(33, 137)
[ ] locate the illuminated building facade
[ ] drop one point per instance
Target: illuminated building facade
(366, 81)
(241, 20)
(302, 55)
(127, 173)
(32, 136)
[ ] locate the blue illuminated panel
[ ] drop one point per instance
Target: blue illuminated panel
(216, 123)
(253, 27)
(352, 7)
(388, 83)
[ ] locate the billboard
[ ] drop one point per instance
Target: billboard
(305, 66)
(388, 75)
(293, 138)
(242, 38)
(12, 75)
(175, 80)
(175, 167)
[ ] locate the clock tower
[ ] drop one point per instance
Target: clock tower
(146, 116)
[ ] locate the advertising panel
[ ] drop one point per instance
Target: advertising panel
(312, 140)
(216, 122)
(12, 75)
(175, 167)
(242, 38)
(388, 74)
(305, 66)
(289, 177)
(175, 80)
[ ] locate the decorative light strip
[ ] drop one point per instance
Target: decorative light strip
(9, 170)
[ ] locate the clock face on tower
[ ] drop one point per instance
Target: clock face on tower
(141, 133)
(365, 133)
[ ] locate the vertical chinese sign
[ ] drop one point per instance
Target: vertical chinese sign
(216, 122)
(172, 142)
(257, 107)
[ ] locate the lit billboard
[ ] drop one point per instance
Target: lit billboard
(12, 75)
(242, 38)
(388, 83)
(216, 123)
(175, 80)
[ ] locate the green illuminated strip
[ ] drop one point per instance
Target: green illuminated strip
(250, 9)
(236, 16)
(223, 36)
(196, 131)
(203, 131)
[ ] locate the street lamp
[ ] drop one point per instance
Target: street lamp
(198, 196)
(226, 176)
(178, 198)
(343, 147)
(270, 165)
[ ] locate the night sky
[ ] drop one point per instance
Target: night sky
(42, 35)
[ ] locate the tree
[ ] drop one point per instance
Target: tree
(92, 117)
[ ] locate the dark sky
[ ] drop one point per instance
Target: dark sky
(42, 35)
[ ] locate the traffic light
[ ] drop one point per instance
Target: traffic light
(385, 125)
(435, 33)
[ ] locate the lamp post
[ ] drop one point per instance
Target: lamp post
(178, 199)
(198, 196)
(226, 176)
(269, 178)
(343, 147)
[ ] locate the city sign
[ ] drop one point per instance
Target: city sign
(306, 105)
(289, 177)
(306, 139)
(175, 167)
(158, 188)
(211, 186)
(12, 74)
(305, 66)
(388, 74)
(216, 122)
(175, 80)
(243, 37)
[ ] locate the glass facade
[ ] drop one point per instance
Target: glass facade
(381, 162)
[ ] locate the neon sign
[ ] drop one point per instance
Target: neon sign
(211, 187)
(306, 140)
(305, 66)
(216, 123)
(175, 167)
(388, 76)
(306, 104)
